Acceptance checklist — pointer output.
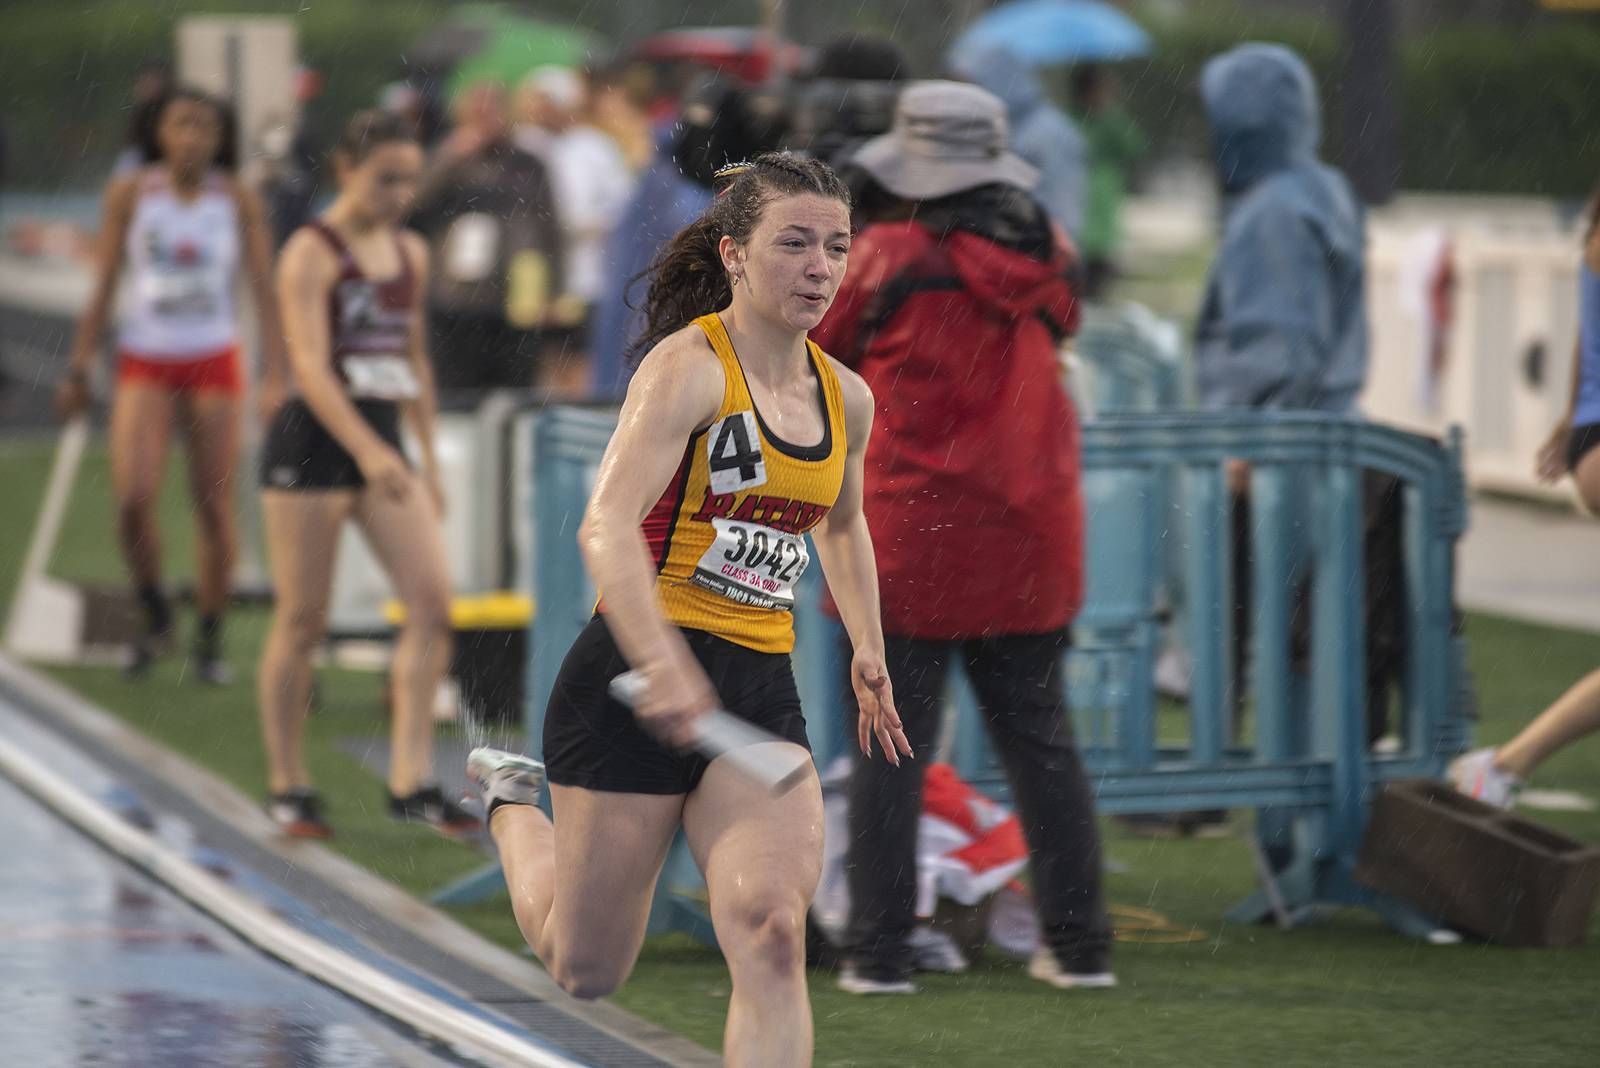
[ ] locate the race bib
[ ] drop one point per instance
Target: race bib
(180, 294)
(752, 564)
(733, 454)
(472, 247)
(381, 377)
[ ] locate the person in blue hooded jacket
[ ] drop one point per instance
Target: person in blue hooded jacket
(1041, 133)
(1283, 324)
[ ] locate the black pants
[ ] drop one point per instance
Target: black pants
(472, 353)
(1021, 693)
(1384, 603)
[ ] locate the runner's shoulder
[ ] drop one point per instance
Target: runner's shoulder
(684, 367)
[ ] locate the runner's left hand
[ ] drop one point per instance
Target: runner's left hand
(875, 697)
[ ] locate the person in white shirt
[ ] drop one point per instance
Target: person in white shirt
(593, 184)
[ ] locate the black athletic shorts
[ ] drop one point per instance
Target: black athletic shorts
(299, 454)
(1582, 439)
(593, 741)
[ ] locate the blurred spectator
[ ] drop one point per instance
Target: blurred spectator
(1041, 133)
(619, 109)
(487, 210)
(592, 186)
(717, 126)
(1283, 326)
(1283, 323)
(849, 98)
(1115, 145)
(292, 161)
(974, 457)
(152, 80)
(418, 106)
(1495, 775)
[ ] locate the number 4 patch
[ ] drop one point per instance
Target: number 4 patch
(733, 454)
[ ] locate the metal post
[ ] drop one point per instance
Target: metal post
(1368, 146)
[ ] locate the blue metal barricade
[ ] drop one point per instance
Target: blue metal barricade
(1299, 755)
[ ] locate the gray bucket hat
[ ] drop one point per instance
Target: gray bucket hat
(947, 137)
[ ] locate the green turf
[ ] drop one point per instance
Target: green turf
(1344, 991)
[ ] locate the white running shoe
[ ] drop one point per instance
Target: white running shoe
(504, 778)
(1044, 967)
(1476, 776)
(852, 981)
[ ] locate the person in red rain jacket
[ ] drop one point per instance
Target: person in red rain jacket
(959, 294)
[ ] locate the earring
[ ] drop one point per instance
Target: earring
(734, 281)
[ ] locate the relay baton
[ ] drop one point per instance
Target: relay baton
(720, 734)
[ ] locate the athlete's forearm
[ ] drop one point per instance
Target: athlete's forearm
(852, 573)
(337, 414)
(274, 356)
(91, 329)
(618, 561)
(424, 413)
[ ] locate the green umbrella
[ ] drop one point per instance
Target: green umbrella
(490, 43)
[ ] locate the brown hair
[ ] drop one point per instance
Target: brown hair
(369, 130)
(147, 126)
(687, 279)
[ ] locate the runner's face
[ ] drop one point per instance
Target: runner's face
(385, 183)
(795, 258)
(190, 132)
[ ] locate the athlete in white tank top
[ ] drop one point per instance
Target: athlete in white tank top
(182, 261)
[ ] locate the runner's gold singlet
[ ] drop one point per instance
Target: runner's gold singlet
(726, 536)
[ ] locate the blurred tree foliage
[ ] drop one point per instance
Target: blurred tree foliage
(1504, 110)
(66, 67)
(1508, 110)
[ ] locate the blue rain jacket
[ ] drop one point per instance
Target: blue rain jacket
(1283, 323)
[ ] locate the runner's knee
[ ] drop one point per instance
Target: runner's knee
(587, 975)
(303, 625)
(428, 610)
(768, 932)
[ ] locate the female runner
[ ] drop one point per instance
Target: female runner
(352, 284)
(738, 436)
(178, 228)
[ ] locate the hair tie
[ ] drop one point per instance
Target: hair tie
(727, 175)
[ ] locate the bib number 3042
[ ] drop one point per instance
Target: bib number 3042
(752, 564)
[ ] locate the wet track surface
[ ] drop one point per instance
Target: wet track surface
(101, 966)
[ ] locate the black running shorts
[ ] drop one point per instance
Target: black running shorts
(1583, 438)
(299, 454)
(593, 741)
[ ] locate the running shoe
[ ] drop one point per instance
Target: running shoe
(299, 814)
(146, 650)
(1476, 776)
(869, 981)
(504, 778)
(429, 805)
(1047, 969)
(212, 670)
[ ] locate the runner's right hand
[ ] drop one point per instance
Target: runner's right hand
(72, 396)
(677, 692)
(386, 472)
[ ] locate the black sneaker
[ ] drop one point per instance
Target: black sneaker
(212, 670)
(429, 805)
(299, 814)
(146, 650)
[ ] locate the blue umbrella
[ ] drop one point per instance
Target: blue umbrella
(1057, 31)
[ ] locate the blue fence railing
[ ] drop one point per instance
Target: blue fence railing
(1296, 750)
